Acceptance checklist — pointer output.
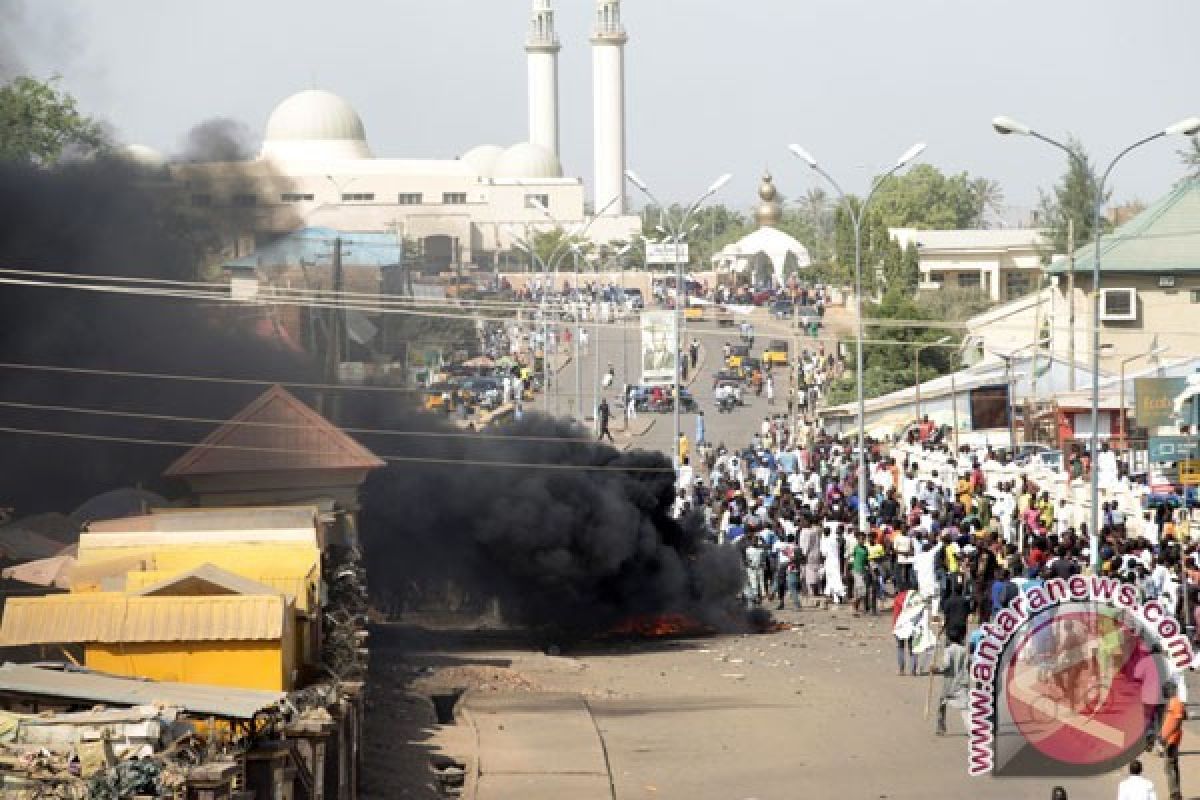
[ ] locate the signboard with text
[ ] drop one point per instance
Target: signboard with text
(1162, 402)
(1174, 448)
(667, 253)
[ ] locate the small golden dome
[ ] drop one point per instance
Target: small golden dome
(770, 211)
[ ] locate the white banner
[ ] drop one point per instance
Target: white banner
(658, 348)
(667, 253)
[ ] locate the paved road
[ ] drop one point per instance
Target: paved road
(619, 346)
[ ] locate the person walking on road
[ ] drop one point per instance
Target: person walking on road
(604, 413)
(1170, 737)
(699, 428)
(770, 390)
(1136, 787)
(683, 447)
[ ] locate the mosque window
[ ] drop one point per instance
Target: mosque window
(202, 200)
(454, 198)
(537, 200)
(296, 197)
(410, 199)
(358, 197)
(245, 200)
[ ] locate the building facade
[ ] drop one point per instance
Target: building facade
(1004, 264)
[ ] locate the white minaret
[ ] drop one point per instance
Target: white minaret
(542, 48)
(608, 87)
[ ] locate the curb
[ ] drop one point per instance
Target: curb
(461, 713)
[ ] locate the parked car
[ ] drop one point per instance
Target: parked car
(634, 299)
(783, 309)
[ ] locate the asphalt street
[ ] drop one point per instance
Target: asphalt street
(619, 346)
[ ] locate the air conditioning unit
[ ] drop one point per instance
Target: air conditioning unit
(1118, 305)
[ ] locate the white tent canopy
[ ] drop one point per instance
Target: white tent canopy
(766, 241)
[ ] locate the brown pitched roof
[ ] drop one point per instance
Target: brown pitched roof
(275, 433)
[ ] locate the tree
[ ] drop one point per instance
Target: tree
(987, 196)
(924, 197)
(1073, 199)
(1191, 157)
(39, 122)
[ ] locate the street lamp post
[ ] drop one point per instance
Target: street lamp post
(1186, 127)
(678, 231)
(546, 266)
(567, 244)
(917, 368)
(857, 217)
(1151, 353)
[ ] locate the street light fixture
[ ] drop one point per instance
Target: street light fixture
(1185, 127)
(678, 231)
(857, 217)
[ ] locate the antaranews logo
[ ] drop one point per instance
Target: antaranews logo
(1067, 680)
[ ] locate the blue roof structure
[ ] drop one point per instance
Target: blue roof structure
(314, 246)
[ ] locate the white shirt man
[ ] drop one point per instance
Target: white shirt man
(1136, 787)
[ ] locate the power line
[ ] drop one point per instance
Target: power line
(290, 451)
(99, 412)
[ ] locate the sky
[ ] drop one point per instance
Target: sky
(714, 86)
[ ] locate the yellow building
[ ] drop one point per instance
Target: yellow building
(197, 628)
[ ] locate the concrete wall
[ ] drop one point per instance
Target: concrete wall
(1165, 316)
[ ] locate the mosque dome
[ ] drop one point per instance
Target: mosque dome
(770, 210)
(482, 160)
(529, 161)
(315, 125)
(143, 156)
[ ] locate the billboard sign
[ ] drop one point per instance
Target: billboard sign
(1166, 402)
(658, 348)
(667, 253)
(1173, 448)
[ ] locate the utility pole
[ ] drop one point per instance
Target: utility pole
(330, 398)
(1071, 304)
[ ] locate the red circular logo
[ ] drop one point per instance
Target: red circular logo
(1082, 685)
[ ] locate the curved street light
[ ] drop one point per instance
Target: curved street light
(856, 218)
(677, 232)
(1009, 126)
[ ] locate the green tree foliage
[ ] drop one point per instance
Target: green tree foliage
(987, 196)
(890, 366)
(924, 197)
(39, 122)
(1072, 199)
(714, 226)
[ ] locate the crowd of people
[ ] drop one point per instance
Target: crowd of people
(947, 540)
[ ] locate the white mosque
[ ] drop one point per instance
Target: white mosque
(316, 167)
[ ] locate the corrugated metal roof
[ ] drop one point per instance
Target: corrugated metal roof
(193, 520)
(275, 433)
(112, 618)
(215, 580)
(1164, 238)
(93, 687)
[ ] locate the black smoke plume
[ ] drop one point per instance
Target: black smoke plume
(218, 140)
(563, 548)
(98, 217)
